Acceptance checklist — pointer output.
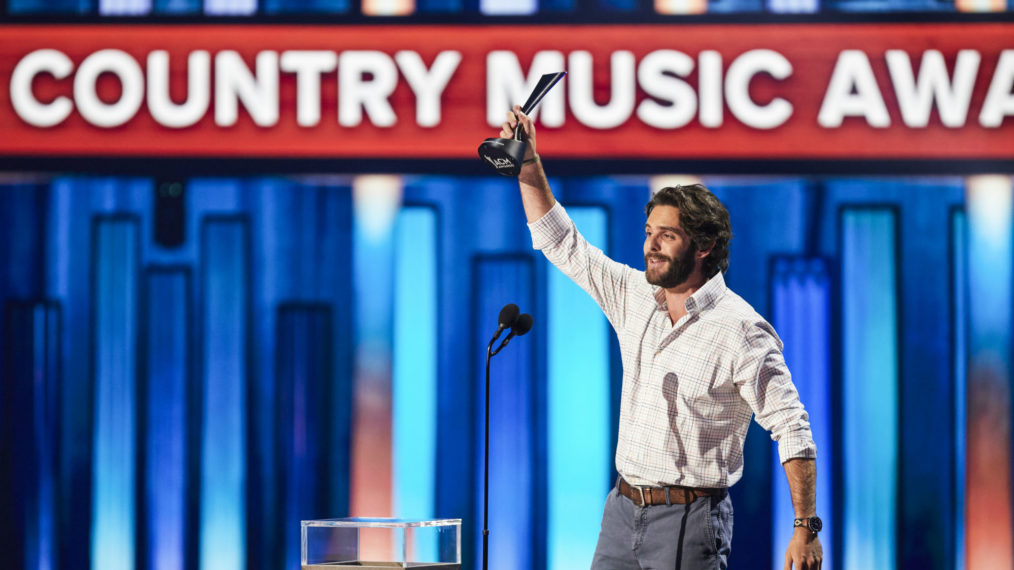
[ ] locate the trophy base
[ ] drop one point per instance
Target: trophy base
(503, 155)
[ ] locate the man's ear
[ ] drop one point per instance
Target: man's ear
(704, 252)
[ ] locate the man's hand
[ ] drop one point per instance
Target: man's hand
(508, 127)
(804, 552)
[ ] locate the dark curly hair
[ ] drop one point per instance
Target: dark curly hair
(704, 218)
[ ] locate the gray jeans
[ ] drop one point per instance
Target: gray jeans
(697, 536)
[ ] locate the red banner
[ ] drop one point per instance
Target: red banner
(785, 91)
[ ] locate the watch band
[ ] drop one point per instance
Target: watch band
(812, 524)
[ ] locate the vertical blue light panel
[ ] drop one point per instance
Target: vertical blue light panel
(305, 6)
(801, 297)
(224, 323)
(230, 7)
(177, 6)
(439, 6)
(49, 6)
(31, 369)
(959, 288)
(578, 422)
(508, 7)
(416, 331)
(793, 6)
(618, 5)
(45, 356)
(69, 276)
(498, 281)
(734, 6)
(115, 262)
(869, 388)
(557, 5)
(124, 7)
(886, 6)
(167, 311)
(304, 372)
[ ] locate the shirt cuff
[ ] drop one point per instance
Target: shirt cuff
(550, 228)
(796, 449)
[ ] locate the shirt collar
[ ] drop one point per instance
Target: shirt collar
(704, 298)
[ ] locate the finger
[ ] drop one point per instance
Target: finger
(523, 118)
(788, 562)
(511, 126)
(507, 128)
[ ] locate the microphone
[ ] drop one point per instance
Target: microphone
(508, 316)
(522, 325)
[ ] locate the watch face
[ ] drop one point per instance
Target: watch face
(814, 524)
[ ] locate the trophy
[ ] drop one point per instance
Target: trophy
(506, 155)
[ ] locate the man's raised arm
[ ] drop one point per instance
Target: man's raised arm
(536, 196)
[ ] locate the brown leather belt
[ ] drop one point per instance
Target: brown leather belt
(647, 496)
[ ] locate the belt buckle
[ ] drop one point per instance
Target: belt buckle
(641, 491)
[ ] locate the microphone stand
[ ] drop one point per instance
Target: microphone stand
(485, 468)
(522, 324)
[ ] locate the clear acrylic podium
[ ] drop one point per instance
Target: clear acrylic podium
(380, 543)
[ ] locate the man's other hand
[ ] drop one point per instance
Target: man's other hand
(804, 552)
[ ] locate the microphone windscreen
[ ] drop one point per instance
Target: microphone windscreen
(508, 315)
(523, 325)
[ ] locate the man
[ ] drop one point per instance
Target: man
(698, 362)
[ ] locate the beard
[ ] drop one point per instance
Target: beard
(678, 272)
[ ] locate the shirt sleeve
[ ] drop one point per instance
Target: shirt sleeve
(765, 383)
(604, 279)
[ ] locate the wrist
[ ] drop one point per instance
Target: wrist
(532, 160)
(811, 524)
(804, 536)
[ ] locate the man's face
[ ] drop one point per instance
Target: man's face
(668, 253)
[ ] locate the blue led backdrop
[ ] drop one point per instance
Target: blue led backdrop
(186, 376)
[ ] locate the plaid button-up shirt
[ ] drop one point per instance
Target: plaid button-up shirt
(690, 388)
